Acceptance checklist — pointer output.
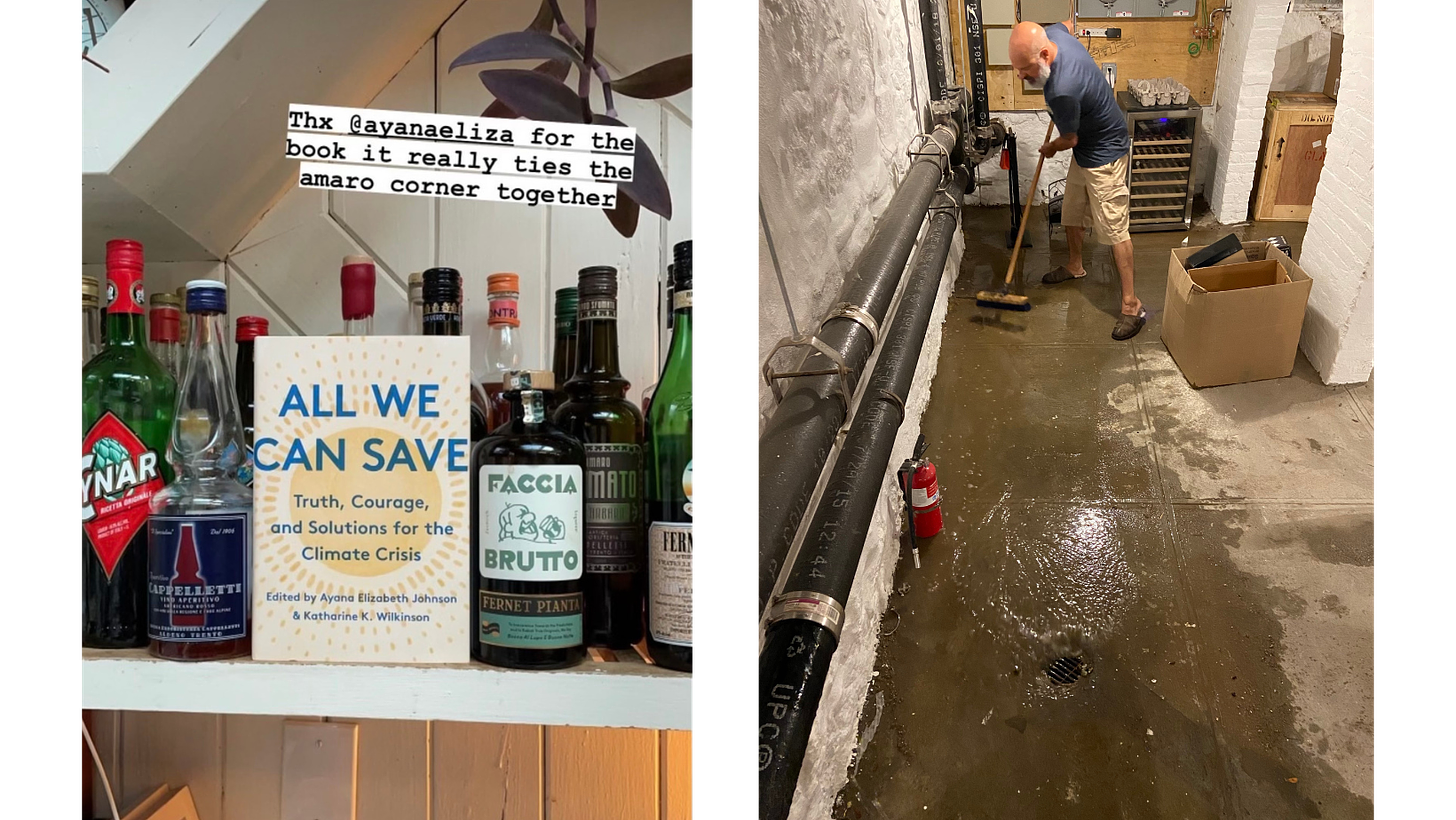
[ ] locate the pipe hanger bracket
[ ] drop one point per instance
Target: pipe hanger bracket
(917, 150)
(846, 379)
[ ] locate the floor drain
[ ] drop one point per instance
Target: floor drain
(1066, 671)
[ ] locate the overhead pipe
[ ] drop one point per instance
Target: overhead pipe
(804, 622)
(934, 51)
(799, 435)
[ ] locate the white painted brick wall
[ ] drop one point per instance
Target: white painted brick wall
(1245, 69)
(1339, 245)
(838, 83)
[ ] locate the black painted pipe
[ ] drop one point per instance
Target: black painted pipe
(805, 620)
(798, 437)
(934, 53)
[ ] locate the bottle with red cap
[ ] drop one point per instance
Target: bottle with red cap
(127, 402)
(356, 279)
(502, 350)
(164, 326)
(248, 329)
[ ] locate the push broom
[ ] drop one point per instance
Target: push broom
(1003, 299)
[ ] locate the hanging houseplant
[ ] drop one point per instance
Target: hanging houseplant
(542, 93)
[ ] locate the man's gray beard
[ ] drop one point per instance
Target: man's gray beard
(1043, 73)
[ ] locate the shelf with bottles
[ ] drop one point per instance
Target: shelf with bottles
(617, 689)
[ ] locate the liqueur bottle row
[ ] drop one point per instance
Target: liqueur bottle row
(581, 504)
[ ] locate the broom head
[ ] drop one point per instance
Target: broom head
(1002, 301)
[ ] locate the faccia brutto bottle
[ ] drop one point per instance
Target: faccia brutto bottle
(670, 486)
(200, 536)
(598, 414)
(127, 401)
(526, 535)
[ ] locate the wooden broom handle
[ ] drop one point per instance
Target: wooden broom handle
(1026, 210)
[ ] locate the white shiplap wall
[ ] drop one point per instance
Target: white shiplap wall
(287, 267)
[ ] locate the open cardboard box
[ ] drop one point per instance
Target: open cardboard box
(1237, 321)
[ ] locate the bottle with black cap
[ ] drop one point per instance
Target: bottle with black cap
(441, 311)
(598, 414)
(670, 485)
(526, 535)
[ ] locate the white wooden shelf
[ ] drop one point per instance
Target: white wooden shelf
(621, 693)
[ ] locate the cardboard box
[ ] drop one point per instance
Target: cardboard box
(1332, 75)
(1237, 321)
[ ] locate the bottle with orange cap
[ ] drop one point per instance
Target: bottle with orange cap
(502, 348)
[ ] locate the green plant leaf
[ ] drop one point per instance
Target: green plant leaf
(647, 185)
(518, 45)
(654, 82)
(551, 68)
(532, 95)
(624, 216)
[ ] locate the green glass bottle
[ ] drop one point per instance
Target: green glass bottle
(127, 400)
(598, 414)
(563, 362)
(670, 485)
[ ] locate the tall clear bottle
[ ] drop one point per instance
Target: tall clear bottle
(356, 281)
(563, 354)
(670, 485)
(200, 535)
(127, 400)
(502, 348)
(92, 339)
(598, 414)
(249, 328)
(164, 332)
(526, 536)
(441, 311)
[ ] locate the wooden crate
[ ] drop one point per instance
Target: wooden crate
(1296, 129)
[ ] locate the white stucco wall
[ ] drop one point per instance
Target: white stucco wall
(840, 85)
(1245, 69)
(1339, 245)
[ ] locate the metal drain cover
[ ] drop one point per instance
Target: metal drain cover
(1066, 671)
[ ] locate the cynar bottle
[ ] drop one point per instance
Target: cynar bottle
(526, 535)
(200, 535)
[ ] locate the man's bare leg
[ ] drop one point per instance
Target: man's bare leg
(1074, 252)
(1122, 256)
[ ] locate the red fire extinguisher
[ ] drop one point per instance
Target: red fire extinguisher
(921, 491)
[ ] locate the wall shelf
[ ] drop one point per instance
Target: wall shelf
(620, 693)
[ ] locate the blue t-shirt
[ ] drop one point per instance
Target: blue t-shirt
(1082, 103)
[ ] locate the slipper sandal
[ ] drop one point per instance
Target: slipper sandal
(1128, 326)
(1061, 274)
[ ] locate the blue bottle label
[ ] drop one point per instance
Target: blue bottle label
(245, 470)
(198, 577)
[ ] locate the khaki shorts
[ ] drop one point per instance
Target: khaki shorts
(1098, 198)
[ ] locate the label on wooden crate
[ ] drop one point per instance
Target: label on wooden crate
(361, 497)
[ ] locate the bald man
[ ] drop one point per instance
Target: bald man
(1090, 124)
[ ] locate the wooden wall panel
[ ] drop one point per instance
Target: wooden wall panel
(486, 770)
(175, 748)
(252, 783)
(611, 774)
(677, 775)
(408, 770)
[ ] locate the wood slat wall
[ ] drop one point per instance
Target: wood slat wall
(1148, 49)
(407, 770)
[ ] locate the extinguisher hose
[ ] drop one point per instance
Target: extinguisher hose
(806, 620)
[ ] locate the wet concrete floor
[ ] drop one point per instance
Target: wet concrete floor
(1206, 555)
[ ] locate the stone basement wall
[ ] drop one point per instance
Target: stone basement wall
(841, 90)
(1339, 245)
(1245, 68)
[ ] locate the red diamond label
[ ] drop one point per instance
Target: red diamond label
(119, 476)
